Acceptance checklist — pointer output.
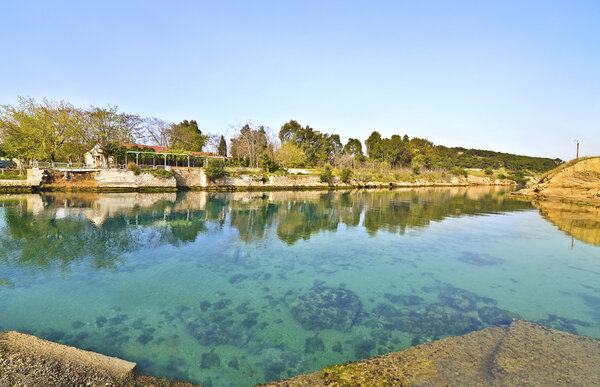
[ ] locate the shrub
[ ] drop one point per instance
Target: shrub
(215, 169)
(133, 167)
(346, 175)
(517, 176)
(458, 171)
(326, 174)
(501, 176)
(489, 172)
(161, 173)
(417, 163)
(266, 164)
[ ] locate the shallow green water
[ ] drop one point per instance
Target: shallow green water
(243, 288)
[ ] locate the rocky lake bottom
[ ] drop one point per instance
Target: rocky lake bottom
(243, 288)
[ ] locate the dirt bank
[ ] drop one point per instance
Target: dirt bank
(577, 181)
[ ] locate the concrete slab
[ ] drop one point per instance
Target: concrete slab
(28, 360)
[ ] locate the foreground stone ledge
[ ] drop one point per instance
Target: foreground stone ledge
(26, 360)
(519, 354)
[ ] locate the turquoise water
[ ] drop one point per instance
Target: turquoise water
(242, 288)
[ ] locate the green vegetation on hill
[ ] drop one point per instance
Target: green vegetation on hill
(317, 149)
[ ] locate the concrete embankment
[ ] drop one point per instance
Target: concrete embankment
(521, 353)
(26, 360)
(195, 178)
(576, 181)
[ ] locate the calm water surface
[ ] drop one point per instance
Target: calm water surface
(241, 288)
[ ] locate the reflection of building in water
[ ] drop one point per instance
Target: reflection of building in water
(581, 222)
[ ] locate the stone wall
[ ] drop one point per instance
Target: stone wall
(34, 179)
(297, 181)
(110, 178)
(196, 178)
(190, 178)
(185, 178)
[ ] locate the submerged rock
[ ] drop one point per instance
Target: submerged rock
(337, 347)
(492, 315)
(438, 320)
(403, 299)
(563, 323)
(215, 330)
(479, 259)
(209, 360)
(459, 299)
(326, 308)
(313, 345)
(100, 321)
(363, 348)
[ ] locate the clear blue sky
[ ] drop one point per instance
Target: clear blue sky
(517, 76)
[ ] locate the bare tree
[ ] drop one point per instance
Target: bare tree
(158, 131)
(250, 142)
(213, 143)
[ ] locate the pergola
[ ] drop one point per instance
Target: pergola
(165, 154)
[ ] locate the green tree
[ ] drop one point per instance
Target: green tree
(354, 148)
(109, 129)
(373, 144)
(346, 175)
(417, 163)
(290, 156)
(250, 143)
(215, 169)
(319, 148)
(187, 136)
(222, 147)
(21, 134)
(326, 174)
(266, 164)
(50, 130)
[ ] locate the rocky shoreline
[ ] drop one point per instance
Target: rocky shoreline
(520, 353)
(577, 182)
(196, 179)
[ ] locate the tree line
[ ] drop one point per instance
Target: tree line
(58, 131)
(299, 146)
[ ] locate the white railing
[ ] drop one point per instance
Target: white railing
(41, 164)
(58, 165)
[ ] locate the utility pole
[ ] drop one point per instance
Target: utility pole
(577, 143)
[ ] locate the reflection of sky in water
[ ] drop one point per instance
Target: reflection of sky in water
(242, 288)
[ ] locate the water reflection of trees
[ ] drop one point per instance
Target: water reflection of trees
(58, 229)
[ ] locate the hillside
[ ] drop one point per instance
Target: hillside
(576, 181)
